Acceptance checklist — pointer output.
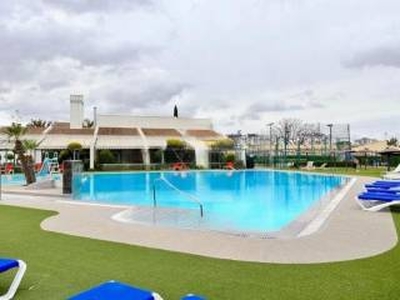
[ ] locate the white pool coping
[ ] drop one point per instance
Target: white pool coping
(348, 233)
(318, 221)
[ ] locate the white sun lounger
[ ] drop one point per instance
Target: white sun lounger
(309, 166)
(8, 264)
(395, 174)
(374, 205)
(392, 176)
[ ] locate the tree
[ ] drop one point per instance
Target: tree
(29, 147)
(87, 123)
(289, 129)
(392, 142)
(38, 123)
(15, 133)
(74, 148)
(177, 150)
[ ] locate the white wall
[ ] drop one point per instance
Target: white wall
(76, 111)
(153, 122)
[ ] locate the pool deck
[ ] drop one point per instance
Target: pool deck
(348, 233)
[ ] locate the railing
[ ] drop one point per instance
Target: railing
(190, 196)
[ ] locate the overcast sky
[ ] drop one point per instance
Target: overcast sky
(243, 63)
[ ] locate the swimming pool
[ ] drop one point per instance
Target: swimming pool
(19, 179)
(243, 201)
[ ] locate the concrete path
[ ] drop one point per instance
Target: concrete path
(349, 233)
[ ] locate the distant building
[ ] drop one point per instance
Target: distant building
(375, 146)
(364, 141)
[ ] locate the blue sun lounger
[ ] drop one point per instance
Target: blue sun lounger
(382, 183)
(394, 190)
(387, 182)
(116, 290)
(379, 196)
(7, 264)
(377, 201)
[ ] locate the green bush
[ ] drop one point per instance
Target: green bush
(175, 143)
(156, 156)
(172, 155)
(393, 160)
(230, 157)
(74, 146)
(106, 157)
(223, 144)
(64, 155)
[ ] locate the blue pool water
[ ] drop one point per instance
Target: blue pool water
(19, 179)
(257, 201)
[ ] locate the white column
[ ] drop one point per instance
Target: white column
(93, 148)
(92, 156)
(242, 156)
(37, 156)
(146, 157)
(202, 156)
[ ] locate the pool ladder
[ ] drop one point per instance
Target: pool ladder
(190, 196)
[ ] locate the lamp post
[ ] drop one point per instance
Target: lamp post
(286, 141)
(330, 137)
(270, 141)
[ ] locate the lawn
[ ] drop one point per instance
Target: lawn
(371, 172)
(60, 265)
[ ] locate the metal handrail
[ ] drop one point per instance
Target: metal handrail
(190, 196)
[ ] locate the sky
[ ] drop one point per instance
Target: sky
(243, 63)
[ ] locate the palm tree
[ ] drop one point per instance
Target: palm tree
(15, 132)
(38, 123)
(392, 142)
(87, 123)
(30, 146)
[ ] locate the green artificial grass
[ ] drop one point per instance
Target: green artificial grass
(370, 172)
(60, 265)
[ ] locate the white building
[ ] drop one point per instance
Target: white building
(133, 139)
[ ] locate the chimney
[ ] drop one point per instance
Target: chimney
(76, 111)
(95, 116)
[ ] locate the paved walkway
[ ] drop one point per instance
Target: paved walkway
(349, 233)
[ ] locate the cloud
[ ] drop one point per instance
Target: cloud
(147, 98)
(236, 63)
(85, 6)
(295, 102)
(388, 56)
(49, 56)
(56, 40)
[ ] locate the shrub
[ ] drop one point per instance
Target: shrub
(230, 157)
(223, 144)
(74, 146)
(156, 156)
(64, 155)
(106, 157)
(175, 143)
